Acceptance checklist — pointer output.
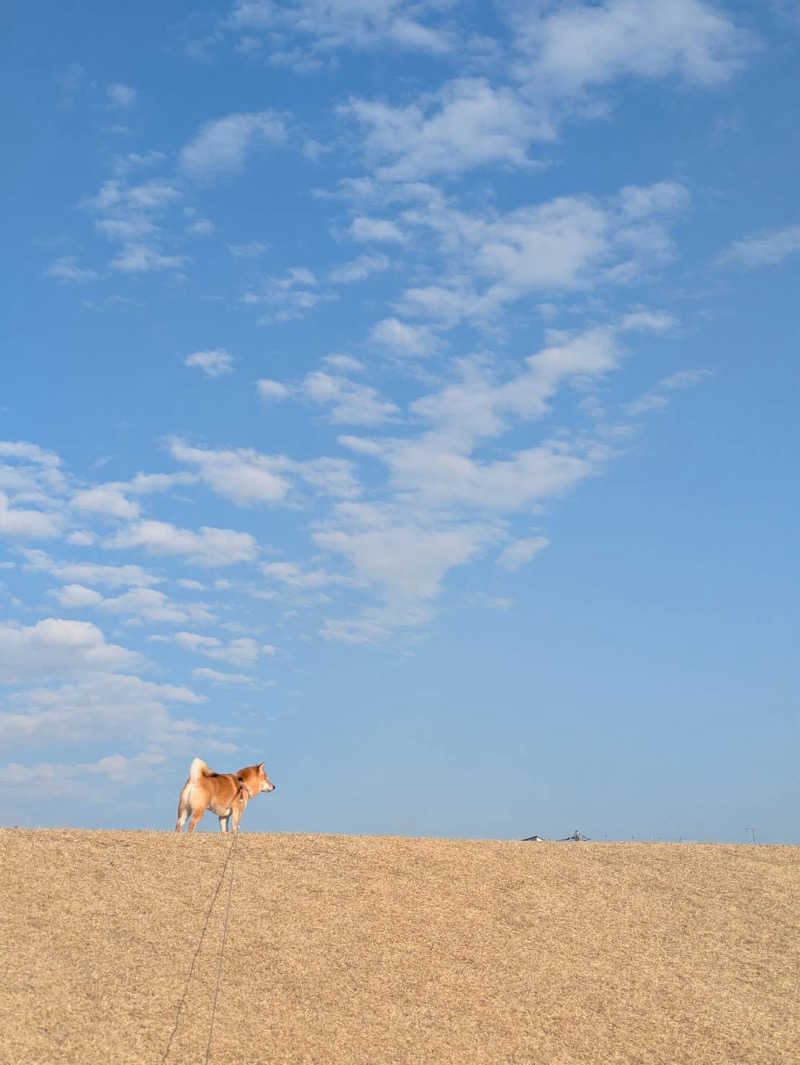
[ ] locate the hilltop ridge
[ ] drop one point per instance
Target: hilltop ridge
(377, 950)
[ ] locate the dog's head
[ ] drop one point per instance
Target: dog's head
(255, 779)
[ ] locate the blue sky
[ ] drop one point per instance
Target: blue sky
(403, 394)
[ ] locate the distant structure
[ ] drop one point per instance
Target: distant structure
(576, 837)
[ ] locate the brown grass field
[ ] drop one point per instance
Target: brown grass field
(347, 950)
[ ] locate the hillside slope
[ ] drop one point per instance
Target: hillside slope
(372, 951)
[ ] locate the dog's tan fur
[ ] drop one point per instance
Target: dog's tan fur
(225, 794)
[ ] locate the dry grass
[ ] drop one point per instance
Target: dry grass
(372, 951)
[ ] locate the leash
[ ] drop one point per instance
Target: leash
(182, 1001)
(222, 946)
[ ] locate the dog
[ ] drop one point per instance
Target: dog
(225, 794)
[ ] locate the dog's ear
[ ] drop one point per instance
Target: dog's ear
(260, 765)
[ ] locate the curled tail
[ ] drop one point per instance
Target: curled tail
(197, 770)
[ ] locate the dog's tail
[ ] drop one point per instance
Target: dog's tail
(198, 769)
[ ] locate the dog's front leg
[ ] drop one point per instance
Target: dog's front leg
(223, 823)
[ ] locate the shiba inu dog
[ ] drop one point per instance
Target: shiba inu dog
(225, 794)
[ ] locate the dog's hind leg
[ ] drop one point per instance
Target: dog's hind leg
(184, 809)
(196, 815)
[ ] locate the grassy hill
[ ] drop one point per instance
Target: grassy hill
(382, 950)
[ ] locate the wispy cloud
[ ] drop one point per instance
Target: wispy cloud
(658, 397)
(131, 214)
(66, 269)
(520, 552)
(207, 546)
(330, 24)
(292, 296)
(223, 145)
(215, 362)
(56, 645)
(397, 338)
(271, 390)
(250, 250)
(468, 123)
(571, 48)
(762, 249)
(349, 402)
(359, 269)
(120, 97)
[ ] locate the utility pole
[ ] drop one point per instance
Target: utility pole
(752, 831)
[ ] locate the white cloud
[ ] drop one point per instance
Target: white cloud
(552, 245)
(242, 651)
(375, 624)
(294, 295)
(57, 645)
(145, 604)
(402, 339)
(378, 229)
(659, 396)
(143, 258)
(106, 499)
(128, 214)
(444, 476)
(491, 259)
(206, 547)
(248, 251)
(66, 269)
(343, 363)
(642, 201)
(90, 572)
(467, 124)
(764, 249)
(31, 491)
(213, 363)
(77, 595)
(81, 538)
(115, 196)
(577, 46)
(353, 24)
(135, 160)
(328, 476)
(271, 390)
(25, 523)
(243, 475)
(202, 227)
(294, 575)
(404, 556)
(132, 228)
(222, 146)
(522, 551)
(652, 321)
(54, 780)
(249, 477)
(24, 451)
(359, 269)
(120, 97)
(152, 195)
(350, 403)
(145, 483)
(448, 495)
(214, 676)
(97, 705)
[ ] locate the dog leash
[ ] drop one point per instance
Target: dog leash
(182, 1000)
(222, 945)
